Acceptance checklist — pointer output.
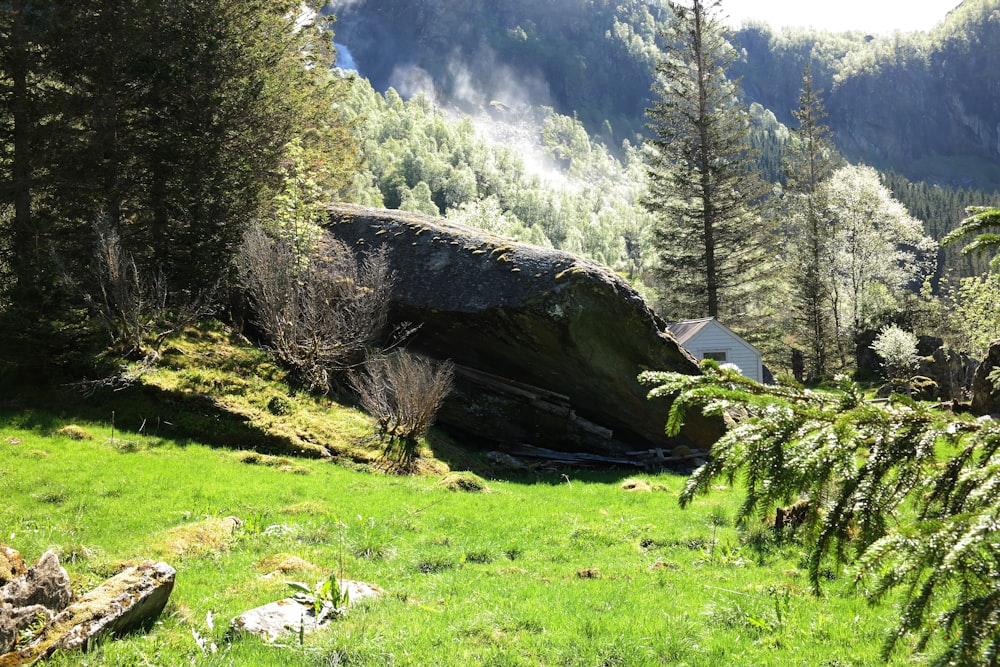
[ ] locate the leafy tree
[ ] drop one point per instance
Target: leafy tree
(702, 186)
(810, 160)
(877, 248)
(983, 223)
(898, 350)
(977, 312)
(906, 493)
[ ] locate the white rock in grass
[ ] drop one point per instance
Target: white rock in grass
(272, 620)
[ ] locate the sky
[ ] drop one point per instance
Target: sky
(871, 16)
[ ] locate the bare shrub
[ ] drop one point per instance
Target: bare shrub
(318, 312)
(124, 303)
(403, 392)
(134, 307)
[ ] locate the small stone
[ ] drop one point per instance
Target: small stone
(272, 620)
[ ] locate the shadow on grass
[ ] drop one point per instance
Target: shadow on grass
(151, 411)
(459, 453)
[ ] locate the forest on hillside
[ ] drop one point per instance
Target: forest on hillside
(94, 159)
(920, 103)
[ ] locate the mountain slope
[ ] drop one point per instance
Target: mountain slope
(924, 104)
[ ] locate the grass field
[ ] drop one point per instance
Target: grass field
(549, 569)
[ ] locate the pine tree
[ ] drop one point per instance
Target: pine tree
(703, 186)
(167, 121)
(983, 225)
(906, 492)
(809, 161)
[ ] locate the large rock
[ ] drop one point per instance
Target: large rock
(131, 600)
(985, 395)
(45, 583)
(548, 345)
(952, 373)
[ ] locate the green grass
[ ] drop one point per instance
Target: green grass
(545, 569)
(539, 570)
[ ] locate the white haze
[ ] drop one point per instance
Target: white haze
(500, 107)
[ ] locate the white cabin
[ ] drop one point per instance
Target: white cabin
(708, 338)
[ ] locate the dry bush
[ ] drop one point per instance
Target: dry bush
(403, 392)
(320, 312)
(134, 306)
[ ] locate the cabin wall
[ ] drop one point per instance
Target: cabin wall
(717, 339)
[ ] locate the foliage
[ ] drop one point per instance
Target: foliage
(327, 600)
(810, 160)
(500, 172)
(169, 121)
(876, 249)
(977, 313)
(594, 58)
(903, 490)
(403, 392)
(319, 317)
(702, 184)
(939, 207)
(898, 350)
(983, 223)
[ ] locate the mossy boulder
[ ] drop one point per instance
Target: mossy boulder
(985, 394)
(547, 345)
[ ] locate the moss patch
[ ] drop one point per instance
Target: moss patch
(198, 539)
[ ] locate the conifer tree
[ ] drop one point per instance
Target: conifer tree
(905, 492)
(809, 161)
(168, 121)
(983, 225)
(703, 185)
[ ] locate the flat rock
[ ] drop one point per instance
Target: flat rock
(548, 345)
(290, 616)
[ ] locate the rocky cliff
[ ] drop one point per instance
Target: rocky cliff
(548, 345)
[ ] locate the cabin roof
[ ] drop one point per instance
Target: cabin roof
(686, 330)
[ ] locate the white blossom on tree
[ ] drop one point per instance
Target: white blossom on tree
(878, 247)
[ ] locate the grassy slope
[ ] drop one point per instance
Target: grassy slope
(546, 569)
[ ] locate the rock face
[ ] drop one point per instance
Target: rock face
(985, 396)
(547, 345)
(952, 373)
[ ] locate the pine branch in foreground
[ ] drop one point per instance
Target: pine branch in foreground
(908, 494)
